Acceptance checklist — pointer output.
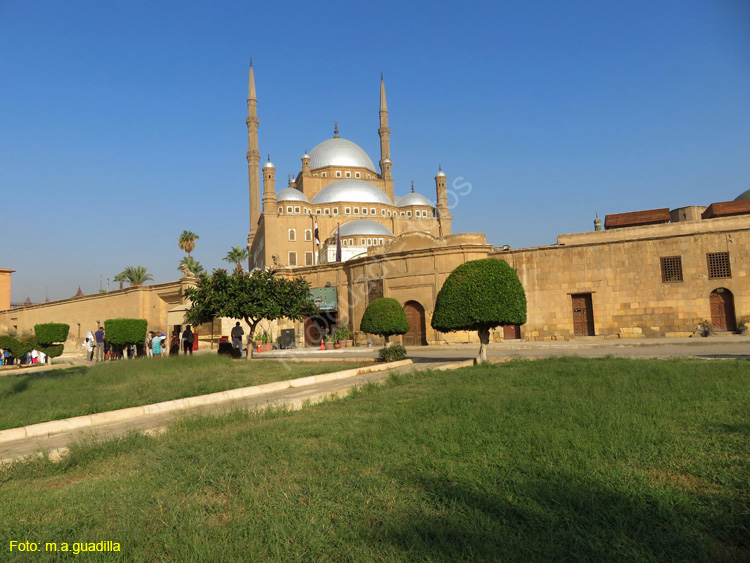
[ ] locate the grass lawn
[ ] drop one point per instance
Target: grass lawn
(42, 396)
(555, 460)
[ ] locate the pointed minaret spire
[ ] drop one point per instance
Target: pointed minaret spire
(385, 133)
(253, 155)
(335, 130)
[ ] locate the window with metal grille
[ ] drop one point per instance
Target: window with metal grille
(292, 235)
(292, 258)
(718, 265)
(308, 258)
(671, 269)
(308, 235)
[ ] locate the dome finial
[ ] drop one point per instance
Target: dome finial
(412, 186)
(381, 76)
(269, 158)
(251, 62)
(440, 168)
(335, 129)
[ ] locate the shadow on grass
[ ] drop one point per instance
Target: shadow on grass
(22, 381)
(723, 356)
(555, 519)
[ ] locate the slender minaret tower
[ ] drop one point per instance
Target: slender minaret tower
(443, 211)
(253, 156)
(269, 187)
(385, 134)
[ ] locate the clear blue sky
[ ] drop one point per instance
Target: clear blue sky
(123, 123)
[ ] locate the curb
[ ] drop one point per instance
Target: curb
(91, 420)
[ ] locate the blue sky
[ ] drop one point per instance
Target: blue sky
(122, 124)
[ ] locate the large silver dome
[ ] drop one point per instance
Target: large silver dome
(339, 152)
(363, 227)
(291, 194)
(413, 199)
(356, 191)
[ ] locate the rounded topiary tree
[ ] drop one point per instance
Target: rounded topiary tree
(125, 332)
(51, 337)
(480, 295)
(384, 317)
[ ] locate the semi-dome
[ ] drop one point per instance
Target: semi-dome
(357, 191)
(291, 194)
(413, 199)
(363, 227)
(743, 195)
(339, 152)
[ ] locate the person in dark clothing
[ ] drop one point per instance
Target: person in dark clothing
(174, 344)
(187, 340)
(237, 333)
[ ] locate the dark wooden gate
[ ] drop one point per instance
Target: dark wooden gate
(583, 315)
(722, 309)
(415, 318)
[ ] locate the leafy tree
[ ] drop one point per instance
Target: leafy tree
(136, 275)
(193, 265)
(384, 317)
(252, 297)
(480, 295)
(52, 337)
(187, 241)
(237, 255)
(124, 332)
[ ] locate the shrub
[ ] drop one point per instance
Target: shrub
(392, 353)
(124, 332)
(50, 333)
(384, 317)
(480, 295)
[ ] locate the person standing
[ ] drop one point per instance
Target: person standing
(99, 336)
(156, 346)
(237, 334)
(187, 340)
(174, 343)
(148, 344)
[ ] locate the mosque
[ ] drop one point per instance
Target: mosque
(648, 273)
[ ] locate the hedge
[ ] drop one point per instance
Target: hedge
(124, 332)
(50, 333)
(384, 317)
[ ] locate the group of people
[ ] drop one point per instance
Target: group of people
(155, 345)
(30, 358)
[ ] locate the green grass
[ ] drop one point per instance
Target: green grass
(554, 460)
(42, 396)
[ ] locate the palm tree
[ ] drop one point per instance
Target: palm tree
(120, 278)
(187, 241)
(136, 275)
(236, 255)
(193, 265)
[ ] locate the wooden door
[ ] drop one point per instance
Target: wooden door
(583, 315)
(511, 332)
(313, 334)
(722, 309)
(415, 319)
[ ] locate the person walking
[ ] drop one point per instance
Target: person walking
(237, 334)
(99, 336)
(187, 340)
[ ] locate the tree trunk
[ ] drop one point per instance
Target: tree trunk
(386, 341)
(484, 339)
(250, 339)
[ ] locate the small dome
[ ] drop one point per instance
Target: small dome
(357, 191)
(743, 195)
(305, 155)
(339, 152)
(387, 161)
(441, 174)
(363, 227)
(291, 194)
(268, 164)
(413, 199)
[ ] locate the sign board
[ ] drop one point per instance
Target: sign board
(325, 298)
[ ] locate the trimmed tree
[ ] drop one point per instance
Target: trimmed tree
(51, 337)
(252, 297)
(125, 332)
(480, 295)
(384, 317)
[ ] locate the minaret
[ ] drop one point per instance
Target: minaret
(269, 188)
(385, 134)
(443, 211)
(253, 156)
